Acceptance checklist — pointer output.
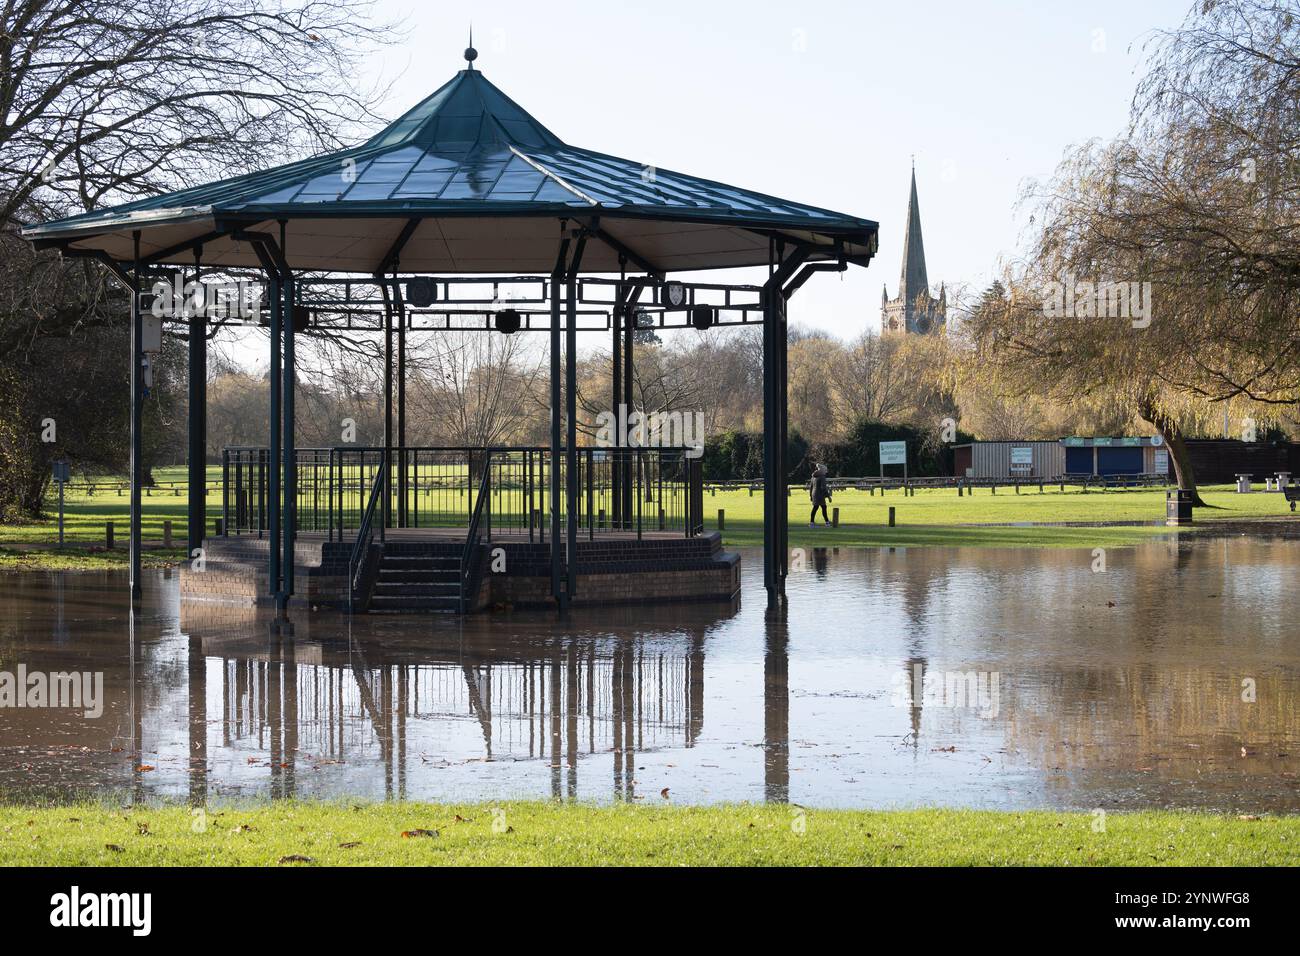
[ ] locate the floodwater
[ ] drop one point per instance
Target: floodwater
(1004, 678)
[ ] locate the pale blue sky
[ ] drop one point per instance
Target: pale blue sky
(820, 103)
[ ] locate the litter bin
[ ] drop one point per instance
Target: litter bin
(1178, 507)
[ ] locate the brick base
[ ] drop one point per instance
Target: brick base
(652, 571)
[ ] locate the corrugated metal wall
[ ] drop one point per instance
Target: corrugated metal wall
(992, 459)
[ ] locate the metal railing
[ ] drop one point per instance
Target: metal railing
(619, 490)
(365, 529)
(472, 536)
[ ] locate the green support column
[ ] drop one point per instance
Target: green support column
(137, 413)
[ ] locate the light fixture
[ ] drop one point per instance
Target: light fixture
(702, 316)
(507, 321)
(421, 291)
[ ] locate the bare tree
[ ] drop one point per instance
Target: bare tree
(473, 388)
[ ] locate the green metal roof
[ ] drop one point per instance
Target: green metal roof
(487, 182)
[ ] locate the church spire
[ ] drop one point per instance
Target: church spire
(913, 281)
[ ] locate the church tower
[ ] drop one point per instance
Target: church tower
(914, 310)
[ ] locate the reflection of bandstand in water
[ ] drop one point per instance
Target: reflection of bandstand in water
(558, 699)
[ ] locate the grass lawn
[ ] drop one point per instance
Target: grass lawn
(930, 517)
(554, 834)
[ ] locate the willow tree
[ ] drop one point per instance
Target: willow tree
(1163, 272)
(111, 101)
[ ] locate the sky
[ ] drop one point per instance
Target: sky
(841, 95)
(825, 103)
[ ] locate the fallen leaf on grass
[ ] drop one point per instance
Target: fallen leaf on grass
(296, 858)
(114, 848)
(408, 834)
(350, 846)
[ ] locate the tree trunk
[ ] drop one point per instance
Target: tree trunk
(1150, 410)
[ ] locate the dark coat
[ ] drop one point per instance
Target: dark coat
(818, 490)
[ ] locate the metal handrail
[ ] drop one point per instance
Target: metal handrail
(365, 530)
(472, 536)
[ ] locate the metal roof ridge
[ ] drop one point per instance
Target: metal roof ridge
(552, 176)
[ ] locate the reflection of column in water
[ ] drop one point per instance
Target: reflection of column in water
(198, 722)
(289, 709)
(555, 725)
(571, 717)
(274, 723)
(136, 699)
(591, 698)
(402, 697)
(694, 679)
(386, 717)
(616, 720)
(776, 707)
(915, 677)
(629, 717)
(225, 702)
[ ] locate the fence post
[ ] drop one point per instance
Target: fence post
(167, 534)
(835, 517)
(891, 516)
(108, 535)
(722, 519)
(225, 487)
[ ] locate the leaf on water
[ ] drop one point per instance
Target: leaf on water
(145, 768)
(664, 793)
(410, 834)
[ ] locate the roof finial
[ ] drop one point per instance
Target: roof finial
(471, 54)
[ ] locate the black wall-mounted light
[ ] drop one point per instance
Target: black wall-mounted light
(421, 292)
(703, 316)
(674, 295)
(301, 318)
(507, 321)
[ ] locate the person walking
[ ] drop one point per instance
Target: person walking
(819, 490)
